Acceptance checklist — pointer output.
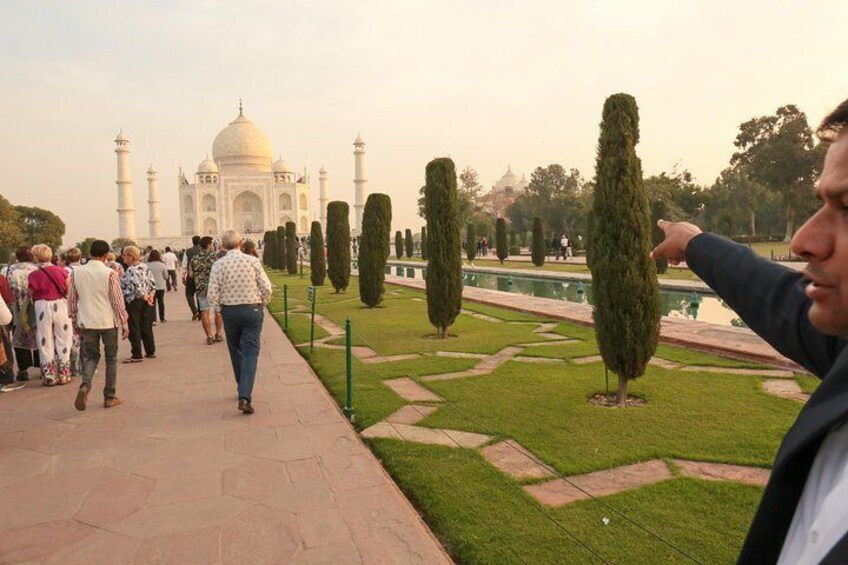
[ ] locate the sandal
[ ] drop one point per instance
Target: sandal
(210, 340)
(219, 338)
(129, 360)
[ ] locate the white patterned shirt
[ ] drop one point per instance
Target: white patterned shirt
(237, 278)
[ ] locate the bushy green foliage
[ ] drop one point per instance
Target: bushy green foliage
(268, 249)
(398, 244)
(624, 279)
(514, 250)
(374, 248)
(424, 243)
(470, 242)
(410, 245)
(317, 261)
(537, 248)
(281, 248)
(291, 248)
(500, 240)
(658, 212)
(444, 270)
(513, 238)
(41, 226)
(338, 244)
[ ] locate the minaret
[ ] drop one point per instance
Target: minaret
(322, 196)
(153, 202)
(359, 181)
(126, 212)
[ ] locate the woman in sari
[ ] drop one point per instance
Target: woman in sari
(24, 339)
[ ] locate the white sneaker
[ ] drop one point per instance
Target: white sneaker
(12, 387)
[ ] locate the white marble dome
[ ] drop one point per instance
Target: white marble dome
(282, 166)
(509, 180)
(207, 166)
(241, 143)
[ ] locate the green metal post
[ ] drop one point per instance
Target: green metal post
(312, 325)
(286, 305)
(348, 409)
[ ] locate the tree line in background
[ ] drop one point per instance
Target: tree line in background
(27, 225)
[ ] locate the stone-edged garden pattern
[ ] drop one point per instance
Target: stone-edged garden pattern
(491, 435)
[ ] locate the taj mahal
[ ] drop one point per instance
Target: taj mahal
(241, 187)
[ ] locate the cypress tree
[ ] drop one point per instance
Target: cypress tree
(267, 249)
(338, 244)
(537, 249)
(398, 244)
(291, 248)
(470, 242)
(410, 245)
(658, 212)
(424, 243)
(317, 262)
(624, 279)
(444, 270)
(513, 238)
(500, 240)
(374, 248)
(280, 246)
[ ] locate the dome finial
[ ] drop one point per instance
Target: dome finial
(241, 108)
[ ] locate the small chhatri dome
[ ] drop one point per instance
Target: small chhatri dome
(241, 143)
(207, 166)
(151, 170)
(522, 184)
(281, 166)
(121, 136)
(358, 140)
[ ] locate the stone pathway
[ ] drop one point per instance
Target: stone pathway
(177, 475)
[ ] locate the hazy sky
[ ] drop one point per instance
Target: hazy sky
(488, 83)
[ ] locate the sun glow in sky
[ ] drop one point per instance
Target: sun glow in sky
(489, 83)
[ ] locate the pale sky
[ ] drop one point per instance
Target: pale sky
(489, 83)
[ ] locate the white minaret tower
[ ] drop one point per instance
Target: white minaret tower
(153, 202)
(359, 181)
(126, 212)
(322, 196)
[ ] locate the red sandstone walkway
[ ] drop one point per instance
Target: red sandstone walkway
(178, 475)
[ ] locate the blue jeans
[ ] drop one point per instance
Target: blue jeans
(243, 325)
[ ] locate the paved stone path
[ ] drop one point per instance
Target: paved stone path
(177, 475)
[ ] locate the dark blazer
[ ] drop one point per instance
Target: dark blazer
(771, 300)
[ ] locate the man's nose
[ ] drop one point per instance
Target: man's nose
(814, 240)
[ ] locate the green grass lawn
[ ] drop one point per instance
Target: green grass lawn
(484, 516)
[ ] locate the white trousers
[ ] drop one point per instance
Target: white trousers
(55, 336)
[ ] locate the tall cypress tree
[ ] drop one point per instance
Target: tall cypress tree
(317, 262)
(410, 245)
(374, 248)
(338, 244)
(280, 246)
(424, 243)
(537, 248)
(267, 249)
(444, 270)
(291, 248)
(624, 279)
(658, 212)
(398, 244)
(470, 242)
(500, 240)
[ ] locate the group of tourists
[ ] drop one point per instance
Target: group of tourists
(561, 247)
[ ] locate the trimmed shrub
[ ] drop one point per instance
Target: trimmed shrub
(268, 249)
(317, 261)
(624, 279)
(515, 250)
(410, 245)
(444, 269)
(424, 243)
(513, 239)
(338, 244)
(281, 248)
(470, 242)
(500, 240)
(398, 244)
(374, 248)
(537, 249)
(291, 248)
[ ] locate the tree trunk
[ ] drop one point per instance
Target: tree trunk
(621, 397)
(753, 223)
(790, 225)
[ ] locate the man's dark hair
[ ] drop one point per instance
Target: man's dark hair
(167, 249)
(24, 253)
(195, 240)
(98, 249)
(154, 256)
(832, 125)
(205, 242)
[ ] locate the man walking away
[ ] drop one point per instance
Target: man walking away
(96, 305)
(239, 289)
(170, 260)
(188, 282)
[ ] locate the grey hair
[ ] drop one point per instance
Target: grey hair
(230, 239)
